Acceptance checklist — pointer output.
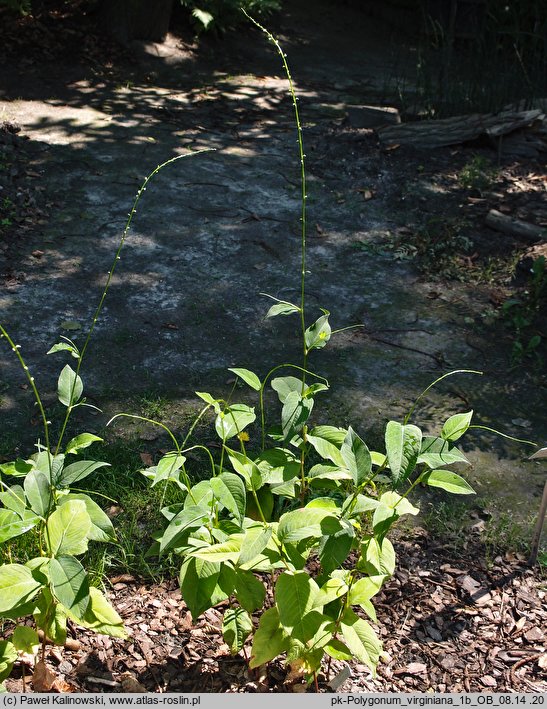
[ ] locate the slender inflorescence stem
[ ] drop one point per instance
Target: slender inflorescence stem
(304, 196)
(16, 349)
(110, 275)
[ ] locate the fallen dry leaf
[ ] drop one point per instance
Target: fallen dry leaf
(43, 678)
(147, 459)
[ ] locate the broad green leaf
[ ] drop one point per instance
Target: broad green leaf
(295, 593)
(69, 387)
(38, 492)
(456, 426)
(101, 617)
(436, 452)
(191, 517)
(225, 551)
(323, 503)
(25, 639)
(294, 414)
(64, 347)
(304, 523)
(247, 376)
(378, 459)
(84, 440)
(391, 506)
(168, 467)
(50, 617)
(14, 499)
(370, 610)
(282, 308)
(236, 628)
(356, 457)
(70, 585)
(254, 542)
(101, 529)
(233, 420)
(11, 524)
(338, 650)
(333, 434)
(278, 465)
(285, 386)
(326, 449)
(403, 444)
(318, 334)
(17, 468)
(229, 490)
(270, 640)
(8, 656)
(358, 505)
(249, 591)
(377, 557)
(334, 548)
(449, 481)
(209, 400)
(364, 589)
(328, 472)
(17, 586)
(200, 494)
(361, 639)
(245, 467)
(198, 580)
(314, 389)
(78, 471)
(330, 591)
(68, 528)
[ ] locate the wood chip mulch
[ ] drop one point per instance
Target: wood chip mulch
(449, 623)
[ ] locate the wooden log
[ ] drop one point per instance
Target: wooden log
(458, 129)
(514, 227)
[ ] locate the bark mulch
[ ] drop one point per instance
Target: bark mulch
(449, 623)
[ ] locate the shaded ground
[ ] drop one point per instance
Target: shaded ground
(85, 121)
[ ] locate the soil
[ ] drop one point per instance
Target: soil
(396, 244)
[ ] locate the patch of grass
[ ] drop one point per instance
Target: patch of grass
(153, 406)
(478, 174)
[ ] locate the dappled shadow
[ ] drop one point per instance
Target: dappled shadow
(213, 231)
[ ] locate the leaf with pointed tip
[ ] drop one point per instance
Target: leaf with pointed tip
(229, 490)
(270, 639)
(17, 586)
(283, 308)
(361, 639)
(403, 445)
(305, 523)
(12, 525)
(38, 492)
(284, 386)
(69, 386)
(78, 471)
(84, 440)
(70, 585)
(8, 656)
(233, 420)
(448, 481)
(247, 376)
(317, 335)
(236, 628)
(249, 591)
(456, 426)
(294, 414)
(356, 456)
(101, 528)
(68, 528)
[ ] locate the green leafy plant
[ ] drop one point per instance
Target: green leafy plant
(40, 503)
(304, 512)
(478, 174)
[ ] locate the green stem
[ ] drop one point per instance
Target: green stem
(263, 386)
(424, 392)
(504, 435)
(111, 275)
(16, 348)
